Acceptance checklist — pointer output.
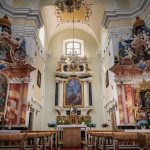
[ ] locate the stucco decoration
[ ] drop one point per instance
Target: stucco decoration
(136, 49)
(82, 15)
(16, 69)
(131, 67)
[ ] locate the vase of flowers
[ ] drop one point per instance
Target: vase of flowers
(143, 124)
(91, 125)
(52, 125)
(105, 125)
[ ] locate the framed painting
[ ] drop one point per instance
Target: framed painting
(3, 92)
(39, 79)
(73, 92)
(145, 98)
(107, 79)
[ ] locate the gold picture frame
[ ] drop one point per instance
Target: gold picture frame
(142, 93)
(77, 96)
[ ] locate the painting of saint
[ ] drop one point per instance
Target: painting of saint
(3, 92)
(73, 92)
(145, 98)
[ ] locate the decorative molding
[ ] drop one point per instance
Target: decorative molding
(48, 54)
(119, 32)
(123, 14)
(25, 13)
(20, 80)
(25, 31)
(147, 21)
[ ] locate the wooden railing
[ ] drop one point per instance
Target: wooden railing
(102, 140)
(35, 140)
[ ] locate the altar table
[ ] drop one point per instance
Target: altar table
(72, 134)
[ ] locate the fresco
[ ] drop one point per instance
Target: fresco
(3, 92)
(73, 93)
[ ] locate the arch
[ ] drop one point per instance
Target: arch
(3, 92)
(88, 112)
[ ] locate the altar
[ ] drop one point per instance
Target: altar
(71, 134)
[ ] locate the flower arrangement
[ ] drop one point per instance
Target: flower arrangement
(51, 124)
(142, 123)
(92, 125)
(105, 125)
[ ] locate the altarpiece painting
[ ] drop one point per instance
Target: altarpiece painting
(73, 92)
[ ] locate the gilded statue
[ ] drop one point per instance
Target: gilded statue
(137, 112)
(87, 67)
(59, 67)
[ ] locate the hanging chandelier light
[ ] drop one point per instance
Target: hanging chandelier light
(68, 5)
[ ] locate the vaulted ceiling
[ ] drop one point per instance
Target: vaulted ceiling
(53, 25)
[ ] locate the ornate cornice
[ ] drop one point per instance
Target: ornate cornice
(124, 14)
(22, 13)
(24, 31)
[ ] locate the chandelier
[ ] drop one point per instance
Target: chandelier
(68, 5)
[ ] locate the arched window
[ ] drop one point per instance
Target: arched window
(42, 35)
(73, 47)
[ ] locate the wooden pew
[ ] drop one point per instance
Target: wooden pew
(42, 139)
(142, 140)
(128, 140)
(35, 140)
(19, 139)
(100, 140)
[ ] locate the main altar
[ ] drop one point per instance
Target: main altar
(73, 88)
(73, 99)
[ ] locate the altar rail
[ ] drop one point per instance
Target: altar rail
(27, 140)
(117, 140)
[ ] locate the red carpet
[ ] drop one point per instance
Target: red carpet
(72, 149)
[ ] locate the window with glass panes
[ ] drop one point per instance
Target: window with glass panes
(72, 48)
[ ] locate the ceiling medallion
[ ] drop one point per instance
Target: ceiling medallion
(65, 9)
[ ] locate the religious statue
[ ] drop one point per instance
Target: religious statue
(138, 26)
(3, 121)
(58, 67)
(137, 112)
(73, 110)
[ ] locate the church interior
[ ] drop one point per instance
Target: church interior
(75, 74)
